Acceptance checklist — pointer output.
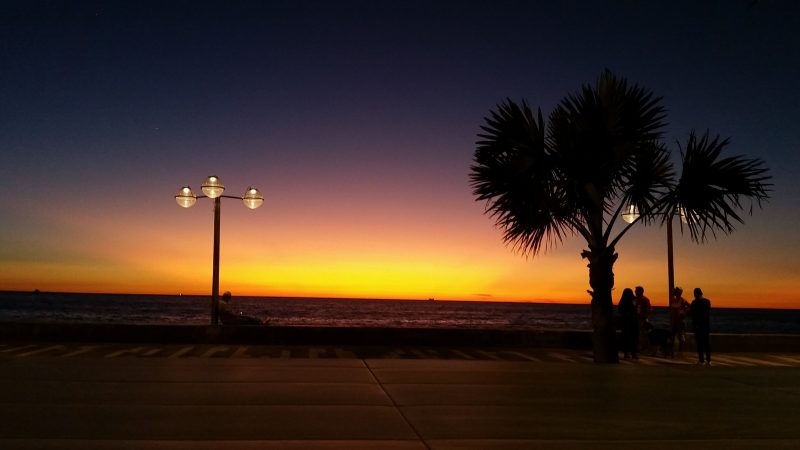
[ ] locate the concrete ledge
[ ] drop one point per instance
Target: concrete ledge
(180, 334)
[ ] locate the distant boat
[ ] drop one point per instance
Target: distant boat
(431, 299)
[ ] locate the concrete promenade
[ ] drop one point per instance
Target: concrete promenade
(70, 401)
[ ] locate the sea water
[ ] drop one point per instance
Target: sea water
(322, 312)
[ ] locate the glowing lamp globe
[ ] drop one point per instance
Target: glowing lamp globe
(185, 197)
(252, 198)
(213, 187)
(631, 214)
(685, 215)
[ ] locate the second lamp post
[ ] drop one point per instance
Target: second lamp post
(213, 188)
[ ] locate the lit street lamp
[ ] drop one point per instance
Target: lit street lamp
(213, 188)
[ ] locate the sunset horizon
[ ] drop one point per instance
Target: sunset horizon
(745, 304)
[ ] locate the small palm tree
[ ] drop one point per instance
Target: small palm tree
(599, 152)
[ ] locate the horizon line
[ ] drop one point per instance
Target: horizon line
(538, 301)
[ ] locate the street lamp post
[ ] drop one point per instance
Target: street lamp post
(630, 215)
(213, 188)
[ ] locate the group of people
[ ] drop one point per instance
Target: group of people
(634, 311)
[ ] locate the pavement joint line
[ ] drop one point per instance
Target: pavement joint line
(730, 360)
(344, 354)
(561, 357)
(676, 362)
(787, 359)
(134, 350)
(213, 350)
(83, 349)
(462, 354)
(523, 355)
(645, 361)
(418, 353)
(395, 405)
(152, 352)
(762, 362)
(487, 354)
(41, 350)
(584, 358)
(15, 349)
(240, 352)
(181, 352)
(725, 364)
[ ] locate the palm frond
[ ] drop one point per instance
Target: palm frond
(514, 174)
(602, 136)
(713, 189)
(648, 179)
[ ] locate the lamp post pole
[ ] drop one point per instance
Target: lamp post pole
(673, 319)
(213, 189)
(215, 270)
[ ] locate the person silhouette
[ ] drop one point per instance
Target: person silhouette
(226, 316)
(701, 324)
(629, 324)
(679, 309)
(643, 308)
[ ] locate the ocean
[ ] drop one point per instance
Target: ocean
(322, 312)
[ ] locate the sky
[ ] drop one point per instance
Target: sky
(357, 120)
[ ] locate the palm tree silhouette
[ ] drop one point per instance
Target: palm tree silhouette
(600, 152)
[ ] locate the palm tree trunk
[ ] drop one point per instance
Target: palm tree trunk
(601, 279)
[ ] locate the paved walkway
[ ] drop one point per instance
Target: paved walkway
(53, 398)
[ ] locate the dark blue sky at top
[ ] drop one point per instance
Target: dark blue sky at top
(170, 89)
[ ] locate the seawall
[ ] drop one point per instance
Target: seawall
(573, 339)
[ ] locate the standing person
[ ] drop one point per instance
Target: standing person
(679, 309)
(629, 324)
(643, 309)
(701, 322)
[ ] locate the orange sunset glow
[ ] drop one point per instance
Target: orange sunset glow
(454, 253)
